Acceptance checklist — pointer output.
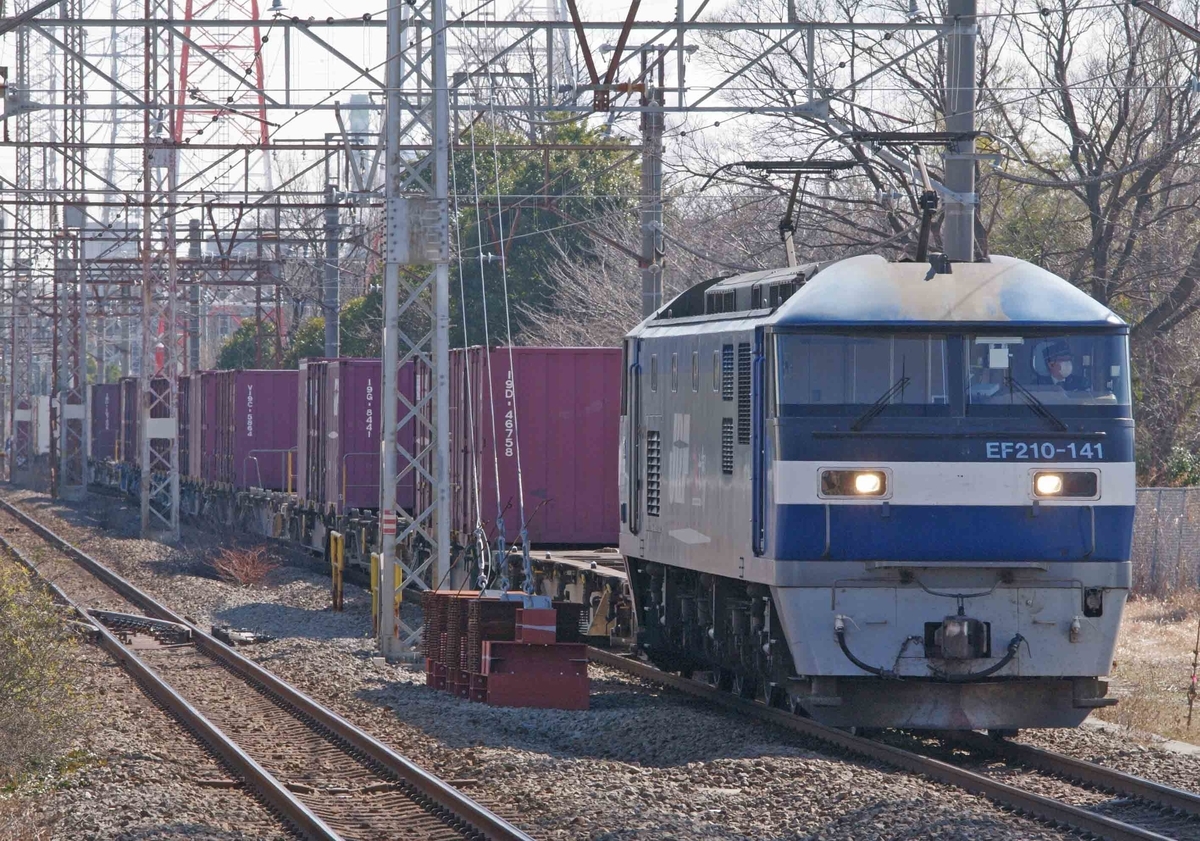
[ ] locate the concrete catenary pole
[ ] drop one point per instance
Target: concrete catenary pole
(194, 297)
(958, 231)
(651, 195)
(331, 304)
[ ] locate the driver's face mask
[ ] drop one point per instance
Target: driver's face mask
(1064, 368)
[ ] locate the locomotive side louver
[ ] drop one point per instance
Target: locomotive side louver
(727, 446)
(727, 372)
(743, 403)
(653, 472)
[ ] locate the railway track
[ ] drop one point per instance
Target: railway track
(1148, 811)
(319, 773)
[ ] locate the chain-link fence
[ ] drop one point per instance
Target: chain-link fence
(1166, 540)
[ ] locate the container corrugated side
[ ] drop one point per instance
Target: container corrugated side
(264, 429)
(556, 413)
(130, 453)
(106, 421)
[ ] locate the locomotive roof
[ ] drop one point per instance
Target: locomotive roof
(869, 289)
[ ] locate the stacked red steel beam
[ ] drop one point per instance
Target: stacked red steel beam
(503, 654)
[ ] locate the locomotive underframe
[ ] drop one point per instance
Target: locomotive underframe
(750, 637)
(281, 516)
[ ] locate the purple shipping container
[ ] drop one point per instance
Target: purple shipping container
(106, 421)
(131, 433)
(184, 395)
(254, 432)
(339, 427)
(191, 419)
(561, 408)
(129, 420)
(206, 436)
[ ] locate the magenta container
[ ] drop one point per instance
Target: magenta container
(340, 419)
(205, 396)
(184, 395)
(131, 433)
(254, 432)
(129, 453)
(106, 421)
(566, 406)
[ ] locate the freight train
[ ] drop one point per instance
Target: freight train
(295, 455)
(881, 495)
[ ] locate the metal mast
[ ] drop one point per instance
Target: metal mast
(416, 316)
(651, 210)
(72, 397)
(330, 290)
(160, 349)
(959, 225)
(22, 427)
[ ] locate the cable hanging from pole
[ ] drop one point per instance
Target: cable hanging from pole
(478, 535)
(510, 383)
(501, 555)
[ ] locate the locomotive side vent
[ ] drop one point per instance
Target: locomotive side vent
(653, 472)
(743, 403)
(727, 446)
(726, 372)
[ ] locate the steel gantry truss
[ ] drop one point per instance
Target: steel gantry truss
(169, 166)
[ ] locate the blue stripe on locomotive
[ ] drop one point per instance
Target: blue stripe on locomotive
(951, 533)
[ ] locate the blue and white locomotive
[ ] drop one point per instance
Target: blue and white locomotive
(883, 496)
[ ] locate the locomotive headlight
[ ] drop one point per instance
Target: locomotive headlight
(852, 483)
(1048, 484)
(1075, 484)
(868, 484)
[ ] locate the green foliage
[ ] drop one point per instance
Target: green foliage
(307, 340)
(584, 185)
(38, 674)
(241, 349)
(1182, 468)
(360, 323)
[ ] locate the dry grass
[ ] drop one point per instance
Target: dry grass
(244, 567)
(39, 671)
(1154, 667)
(17, 821)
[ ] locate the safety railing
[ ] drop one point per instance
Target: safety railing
(251, 459)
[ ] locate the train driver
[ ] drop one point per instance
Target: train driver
(1054, 364)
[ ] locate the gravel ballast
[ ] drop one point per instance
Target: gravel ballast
(135, 773)
(642, 763)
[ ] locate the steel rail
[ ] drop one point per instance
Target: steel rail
(479, 817)
(1061, 765)
(258, 779)
(1043, 808)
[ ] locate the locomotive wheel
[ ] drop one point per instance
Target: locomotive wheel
(743, 686)
(797, 708)
(776, 697)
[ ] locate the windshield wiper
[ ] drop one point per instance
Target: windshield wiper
(879, 405)
(1037, 406)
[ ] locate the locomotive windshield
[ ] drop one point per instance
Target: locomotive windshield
(835, 374)
(1073, 374)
